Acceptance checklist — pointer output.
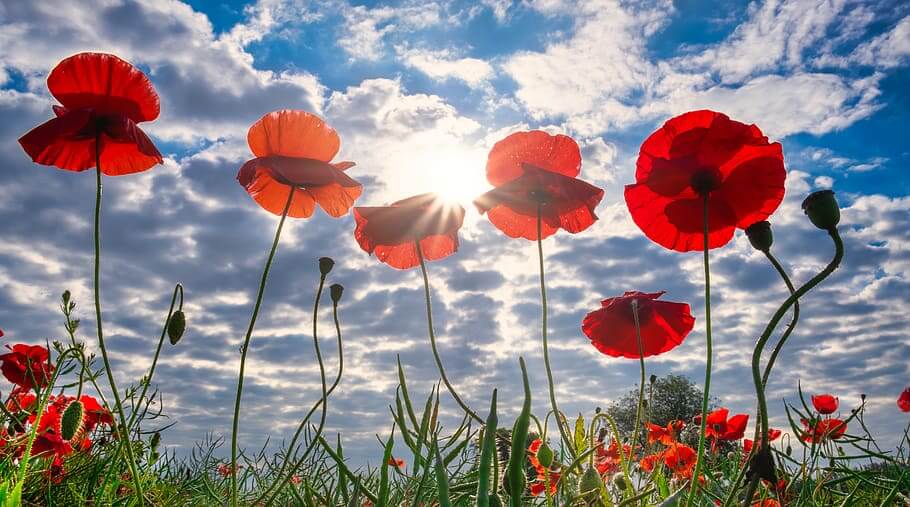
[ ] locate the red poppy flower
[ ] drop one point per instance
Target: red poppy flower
(224, 469)
(825, 403)
(680, 459)
(903, 401)
(395, 462)
(664, 325)
(720, 428)
(817, 431)
(25, 363)
(538, 485)
(773, 434)
(102, 97)
(609, 460)
(391, 232)
(648, 462)
(293, 149)
(536, 172)
(704, 152)
(665, 435)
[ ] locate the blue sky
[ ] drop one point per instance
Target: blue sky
(418, 92)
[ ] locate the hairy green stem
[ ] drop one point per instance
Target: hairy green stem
(790, 326)
(563, 431)
(246, 344)
(124, 432)
(442, 371)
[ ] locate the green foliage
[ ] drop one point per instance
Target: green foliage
(671, 397)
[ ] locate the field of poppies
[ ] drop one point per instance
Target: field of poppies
(71, 435)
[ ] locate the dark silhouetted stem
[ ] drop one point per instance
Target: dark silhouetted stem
(124, 432)
(641, 360)
(246, 344)
(563, 432)
(442, 371)
(708, 356)
(790, 326)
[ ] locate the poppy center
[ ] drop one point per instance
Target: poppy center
(539, 195)
(705, 180)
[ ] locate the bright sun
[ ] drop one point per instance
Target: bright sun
(454, 172)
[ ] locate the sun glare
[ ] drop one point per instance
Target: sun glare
(455, 172)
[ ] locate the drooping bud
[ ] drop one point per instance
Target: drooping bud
(176, 326)
(760, 236)
(862, 397)
(72, 421)
(545, 455)
(653, 378)
(789, 450)
(590, 481)
(822, 209)
(336, 290)
(325, 265)
(619, 480)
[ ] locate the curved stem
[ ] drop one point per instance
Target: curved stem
(563, 431)
(246, 343)
(131, 459)
(148, 380)
(708, 357)
(442, 371)
(641, 359)
(790, 326)
(321, 402)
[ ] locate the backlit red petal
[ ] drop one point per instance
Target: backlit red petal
(678, 224)
(903, 401)
(554, 153)
(293, 133)
(106, 84)
(273, 195)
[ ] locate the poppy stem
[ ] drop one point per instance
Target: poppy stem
(641, 359)
(246, 343)
(708, 357)
(124, 432)
(563, 432)
(790, 326)
(442, 371)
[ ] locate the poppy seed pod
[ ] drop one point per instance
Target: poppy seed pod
(336, 290)
(325, 265)
(156, 439)
(822, 209)
(760, 236)
(590, 481)
(545, 455)
(176, 326)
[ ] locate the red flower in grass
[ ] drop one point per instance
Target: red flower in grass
(293, 150)
(818, 430)
(664, 325)
(224, 469)
(649, 461)
(102, 98)
(391, 232)
(719, 427)
(680, 459)
(535, 171)
(665, 435)
(698, 153)
(608, 460)
(539, 484)
(26, 365)
(903, 401)
(773, 434)
(396, 462)
(825, 403)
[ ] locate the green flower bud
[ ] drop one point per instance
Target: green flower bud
(590, 481)
(822, 209)
(72, 421)
(653, 378)
(760, 235)
(156, 439)
(176, 326)
(325, 265)
(336, 290)
(66, 298)
(619, 480)
(545, 455)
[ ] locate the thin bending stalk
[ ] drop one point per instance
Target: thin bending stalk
(708, 356)
(641, 359)
(246, 343)
(442, 371)
(306, 418)
(546, 350)
(790, 326)
(124, 432)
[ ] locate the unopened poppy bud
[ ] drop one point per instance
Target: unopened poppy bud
(653, 378)
(325, 265)
(66, 298)
(760, 235)
(822, 209)
(590, 481)
(862, 397)
(545, 455)
(156, 439)
(619, 480)
(336, 290)
(176, 326)
(72, 421)
(597, 410)
(789, 450)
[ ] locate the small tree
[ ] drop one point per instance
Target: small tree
(671, 397)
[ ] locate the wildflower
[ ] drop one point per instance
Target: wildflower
(293, 150)
(608, 460)
(535, 172)
(663, 324)
(102, 98)
(665, 435)
(719, 427)
(680, 459)
(225, 469)
(27, 365)
(295, 479)
(819, 430)
(903, 401)
(392, 232)
(698, 155)
(825, 403)
(395, 462)
(538, 485)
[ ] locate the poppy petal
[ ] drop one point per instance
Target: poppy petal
(554, 153)
(273, 195)
(336, 199)
(106, 84)
(293, 133)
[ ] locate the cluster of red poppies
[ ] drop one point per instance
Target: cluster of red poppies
(822, 427)
(28, 368)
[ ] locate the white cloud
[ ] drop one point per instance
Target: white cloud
(890, 49)
(363, 33)
(824, 181)
(443, 64)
